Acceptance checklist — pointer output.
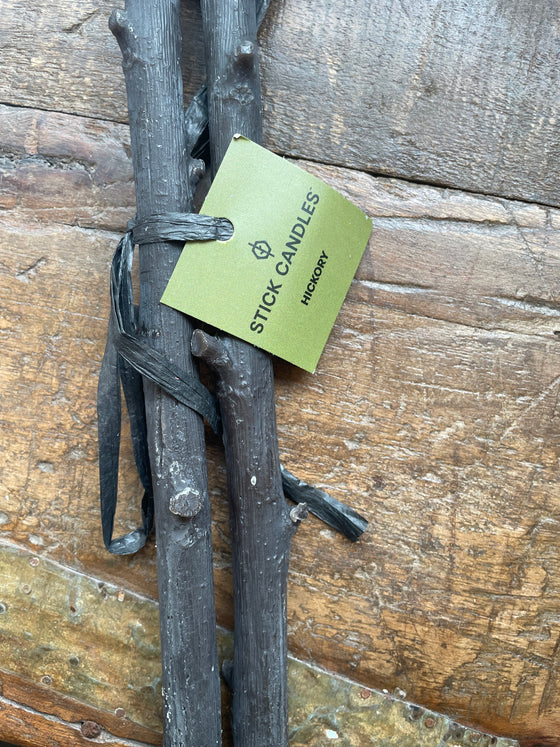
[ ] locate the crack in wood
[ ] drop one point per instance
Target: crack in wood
(28, 273)
(78, 25)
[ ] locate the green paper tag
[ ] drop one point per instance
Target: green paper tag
(280, 280)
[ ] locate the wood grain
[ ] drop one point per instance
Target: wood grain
(28, 729)
(23, 695)
(433, 412)
(67, 632)
(453, 93)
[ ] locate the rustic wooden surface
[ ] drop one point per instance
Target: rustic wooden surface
(69, 633)
(433, 410)
(456, 93)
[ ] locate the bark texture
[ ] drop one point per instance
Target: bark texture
(260, 519)
(262, 526)
(150, 40)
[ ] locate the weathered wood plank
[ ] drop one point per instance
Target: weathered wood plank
(26, 728)
(24, 695)
(74, 635)
(462, 94)
(68, 633)
(433, 412)
(64, 58)
(66, 170)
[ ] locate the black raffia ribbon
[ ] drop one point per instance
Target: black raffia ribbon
(127, 360)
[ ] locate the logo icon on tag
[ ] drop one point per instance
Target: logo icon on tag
(261, 249)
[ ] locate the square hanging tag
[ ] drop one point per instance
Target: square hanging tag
(280, 280)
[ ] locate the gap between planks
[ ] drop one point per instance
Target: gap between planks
(338, 164)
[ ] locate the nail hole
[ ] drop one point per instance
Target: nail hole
(73, 609)
(46, 680)
(3, 608)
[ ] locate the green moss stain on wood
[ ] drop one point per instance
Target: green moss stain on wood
(99, 643)
(83, 637)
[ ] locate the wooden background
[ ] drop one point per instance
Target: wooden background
(434, 407)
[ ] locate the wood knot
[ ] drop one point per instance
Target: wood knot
(186, 503)
(299, 513)
(197, 170)
(211, 350)
(242, 93)
(124, 34)
(244, 54)
(118, 23)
